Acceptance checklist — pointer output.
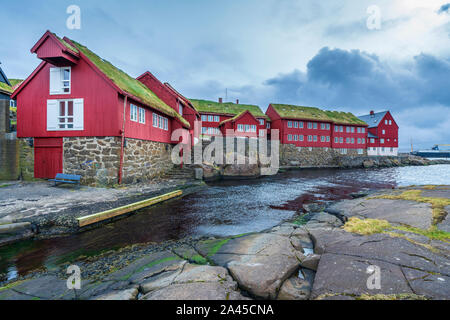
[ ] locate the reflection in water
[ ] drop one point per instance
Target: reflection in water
(225, 208)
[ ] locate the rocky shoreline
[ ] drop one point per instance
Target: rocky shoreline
(323, 254)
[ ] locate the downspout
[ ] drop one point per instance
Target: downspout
(123, 139)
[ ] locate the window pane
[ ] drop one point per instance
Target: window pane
(70, 109)
(62, 108)
(66, 74)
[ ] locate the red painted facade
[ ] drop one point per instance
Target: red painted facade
(241, 126)
(318, 134)
(388, 131)
(223, 117)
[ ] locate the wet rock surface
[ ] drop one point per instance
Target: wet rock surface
(312, 257)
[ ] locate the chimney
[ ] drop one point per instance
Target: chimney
(237, 101)
(220, 100)
(372, 113)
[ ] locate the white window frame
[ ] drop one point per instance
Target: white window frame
(261, 122)
(268, 125)
(141, 115)
(155, 120)
(133, 113)
(57, 81)
(253, 128)
(166, 124)
(289, 124)
(314, 125)
(204, 117)
(289, 137)
(300, 137)
(160, 122)
(300, 124)
(240, 128)
(210, 118)
(53, 115)
(216, 119)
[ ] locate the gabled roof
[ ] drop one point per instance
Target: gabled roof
(180, 96)
(370, 135)
(228, 108)
(236, 117)
(3, 76)
(311, 113)
(373, 120)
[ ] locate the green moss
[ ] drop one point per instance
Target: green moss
(15, 82)
(312, 113)
(11, 285)
(198, 259)
(399, 296)
(300, 220)
(226, 108)
(366, 226)
(154, 263)
(5, 87)
(129, 84)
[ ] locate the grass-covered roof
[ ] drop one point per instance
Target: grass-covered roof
(312, 113)
(128, 83)
(15, 82)
(226, 108)
(5, 88)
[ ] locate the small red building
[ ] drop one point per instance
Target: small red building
(383, 134)
(88, 117)
(216, 117)
(315, 128)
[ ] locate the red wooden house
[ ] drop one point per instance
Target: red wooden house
(88, 117)
(216, 117)
(173, 99)
(383, 134)
(315, 128)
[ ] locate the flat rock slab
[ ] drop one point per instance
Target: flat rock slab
(43, 288)
(412, 213)
(192, 282)
(260, 263)
(127, 294)
(145, 267)
(345, 275)
(445, 224)
(428, 284)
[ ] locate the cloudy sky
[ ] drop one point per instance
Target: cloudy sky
(310, 53)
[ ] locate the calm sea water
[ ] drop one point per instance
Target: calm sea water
(224, 208)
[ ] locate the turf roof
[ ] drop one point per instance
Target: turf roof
(312, 113)
(5, 87)
(226, 108)
(128, 83)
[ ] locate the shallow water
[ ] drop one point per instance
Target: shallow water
(225, 208)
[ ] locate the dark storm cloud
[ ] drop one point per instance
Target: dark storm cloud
(444, 8)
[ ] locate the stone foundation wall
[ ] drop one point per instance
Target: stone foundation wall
(145, 160)
(16, 158)
(97, 159)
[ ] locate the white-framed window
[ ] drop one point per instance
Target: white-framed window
(359, 140)
(347, 129)
(314, 125)
(363, 130)
(336, 140)
(300, 137)
(353, 129)
(353, 140)
(341, 129)
(300, 124)
(247, 127)
(216, 119)
(385, 122)
(363, 140)
(310, 125)
(289, 137)
(322, 139)
(328, 138)
(261, 122)
(210, 118)
(322, 126)
(180, 108)
(310, 138)
(358, 130)
(328, 126)
(295, 137)
(166, 124)
(204, 117)
(390, 122)
(336, 128)
(381, 140)
(341, 140)
(142, 115)
(133, 113)
(383, 131)
(268, 125)
(60, 80)
(160, 122)
(240, 127)
(289, 124)
(253, 128)
(315, 138)
(372, 140)
(65, 114)
(295, 124)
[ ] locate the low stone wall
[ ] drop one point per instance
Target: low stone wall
(16, 158)
(145, 160)
(291, 155)
(97, 159)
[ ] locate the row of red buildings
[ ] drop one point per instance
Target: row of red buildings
(74, 94)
